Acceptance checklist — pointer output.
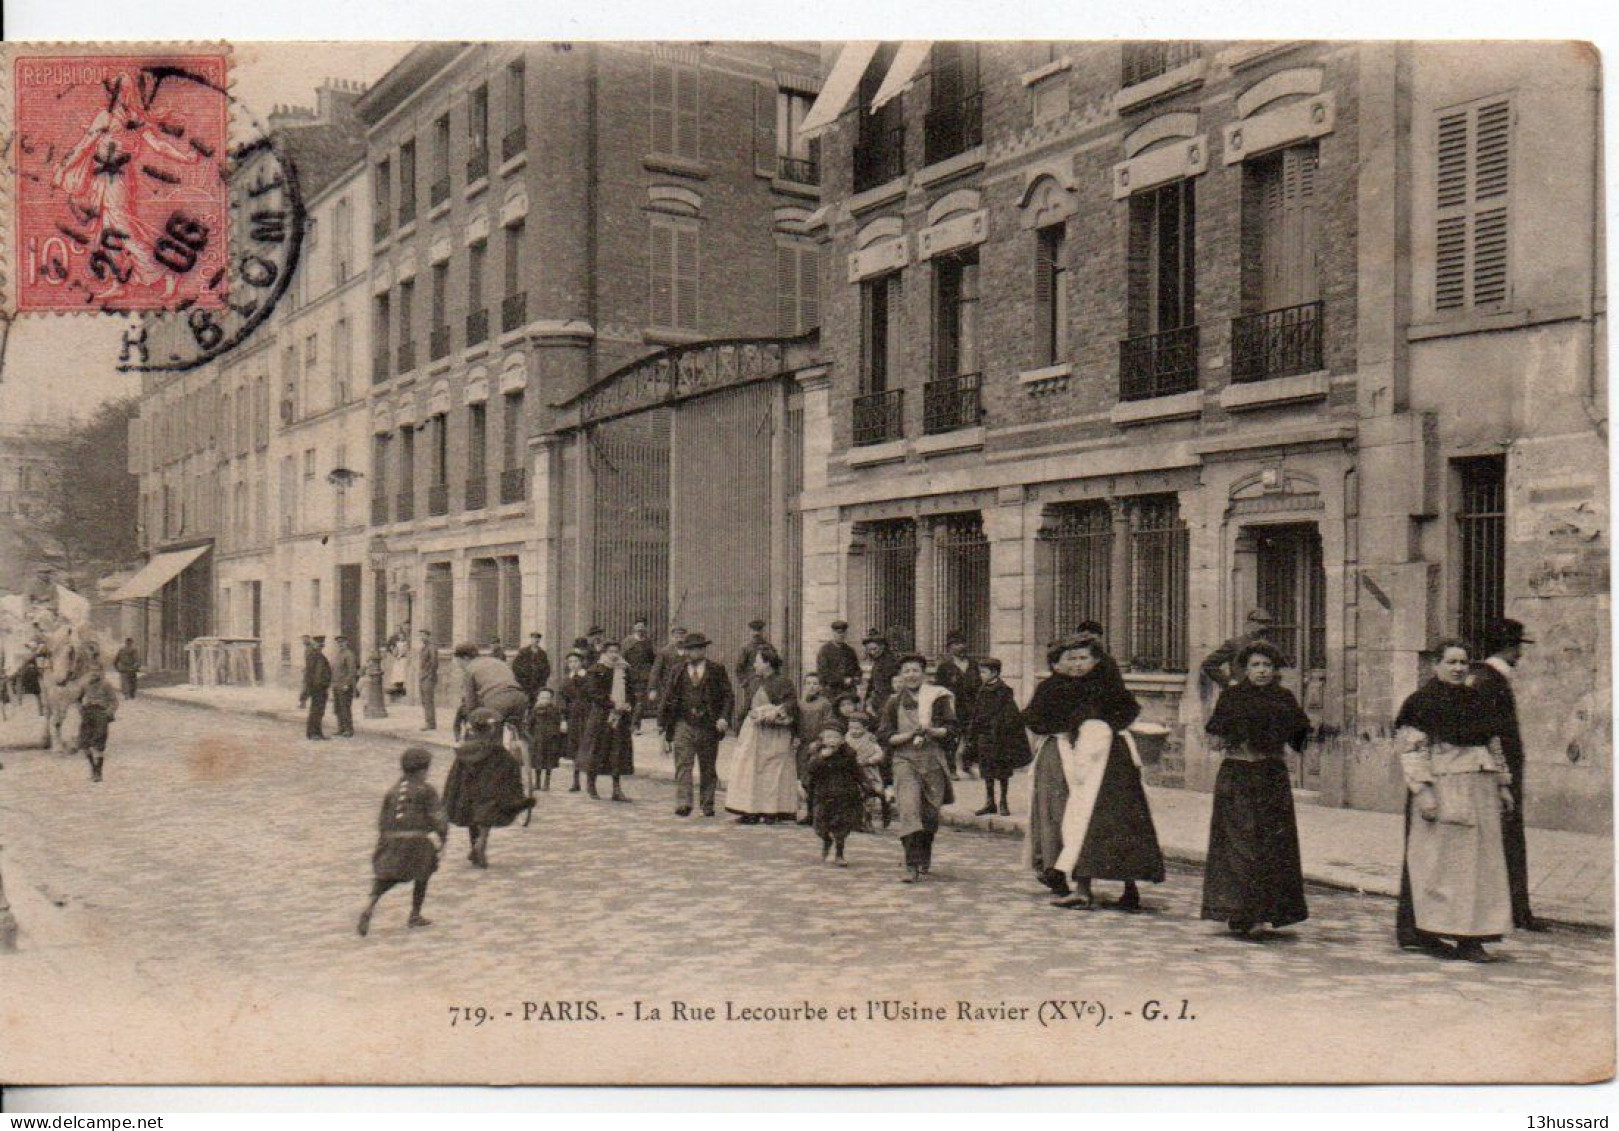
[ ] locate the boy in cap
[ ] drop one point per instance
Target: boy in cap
(410, 816)
(96, 711)
(838, 787)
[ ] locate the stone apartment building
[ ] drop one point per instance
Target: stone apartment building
(545, 216)
(1153, 334)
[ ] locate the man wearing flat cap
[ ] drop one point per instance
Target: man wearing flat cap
(838, 664)
(958, 674)
(1220, 666)
(345, 678)
(880, 679)
(1493, 680)
(694, 714)
(532, 667)
(317, 683)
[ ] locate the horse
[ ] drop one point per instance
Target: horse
(67, 660)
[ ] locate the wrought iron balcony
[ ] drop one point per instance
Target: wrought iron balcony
(955, 127)
(477, 165)
(1157, 365)
(407, 210)
(405, 506)
(477, 492)
(438, 343)
(879, 417)
(798, 170)
(513, 485)
(513, 143)
(879, 158)
(438, 499)
(951, 403)
(407, 356)
(478, 327)
(513, 311)
(379, 226)
(379, 367)
(1143, 61)
(439, 191)
(1277, 343)
(379, 510)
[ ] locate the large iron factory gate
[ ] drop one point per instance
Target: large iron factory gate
(684, 501)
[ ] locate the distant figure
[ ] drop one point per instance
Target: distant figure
(663, 669)
(1219, 666)
(303, 686)
(884, 670)
(640, 654)
(532, 666)
(127, 663)
(345, 679)
(1493, 680)
(317, 684)
(96, 710)
(485, 788)
(997, 739)
(694, 715)
(837, 663)
(496, 650)
(411, 816)
(958, 674)
(427, 680)
(839, 788)
(545, 737)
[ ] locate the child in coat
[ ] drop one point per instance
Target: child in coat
(839, 789)
(96, 711)
(411, 815)
(545, 736)
(873, 762)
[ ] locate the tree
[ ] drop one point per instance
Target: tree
(97, 501)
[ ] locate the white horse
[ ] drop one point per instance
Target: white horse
(66, 661)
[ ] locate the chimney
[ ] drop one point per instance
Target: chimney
(335, 99)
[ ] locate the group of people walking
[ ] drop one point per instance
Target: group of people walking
(891, 735)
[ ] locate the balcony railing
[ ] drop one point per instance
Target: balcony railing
(404, 506)
(879, 158)
(379, 510)
(513, 485)
(513, 143)
(407, 356)
(407, 211)
(955, 128)
(879, 417)
(379, 367)
(1277, 343)
(478, 327)
(438, 499)
(438, 343)
(477, 165)
(798, 170)
(1143, 61)
(951, 403)
(379, 226)
(439, 191)
(1157, 365)
(513, 311)
(477, 492)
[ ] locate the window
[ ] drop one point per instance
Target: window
(406, 509)
(1080, 539)
(676, 125)
(890, 560)
(380, 444)
(880, 320)
(340, 458)
(783, 151)
(440, 600)
(289, 493)
(291, 384)
(384, 331)
(1481, 514)
(798, 288)
(1473, 183)
(516, 138)
(1279, 333)
(407, 344)
(311, 350)
(513, 264)
(309, 464)
(955, 314)
(512, 431)
(961, 580)
(477, 455)
(342, 362)
(955, 121)
(478, 134)
(439, 191)
(381, 206)
(477, 257)
(1160, 356)
(1051, 293)
(439, 336)
(483, 587)
(1143, 61)
(314, 600)
(407, 182)
(1155, 633)
(343, 241)
(879, 150)
(511, 599)
(440, 467)
(674, 276)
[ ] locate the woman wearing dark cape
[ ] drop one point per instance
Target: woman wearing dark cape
(1253, 875)
(1088, 815)
(484, 790)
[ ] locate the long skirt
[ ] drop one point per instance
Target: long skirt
(404, 857)
(1120, 841)
(764, 779)
(1047, 803)
(1458, 872)
(606, 748)
(1253, 874)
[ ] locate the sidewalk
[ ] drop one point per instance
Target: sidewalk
(1571, 874)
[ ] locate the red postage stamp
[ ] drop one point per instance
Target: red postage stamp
(121, 192)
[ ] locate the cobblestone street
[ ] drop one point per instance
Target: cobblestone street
(228, 850)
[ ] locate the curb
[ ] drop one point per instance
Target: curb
(995, 826)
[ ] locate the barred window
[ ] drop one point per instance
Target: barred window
(1155, 637)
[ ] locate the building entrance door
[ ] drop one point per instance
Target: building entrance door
(348, 602)
(1292, 586)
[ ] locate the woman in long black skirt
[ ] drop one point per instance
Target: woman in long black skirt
(1253, 876)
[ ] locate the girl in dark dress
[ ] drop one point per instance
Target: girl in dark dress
(410, 816)
(996, 739)
(545, 736)
(575, 711)
(838, 788)
(1253, 875)
(485, 788)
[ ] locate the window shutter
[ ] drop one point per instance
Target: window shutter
(688, 122)
(1490, 189)
(1045, 269)
(809, 288)
(663, 107)
(686, 271)
(1472, 189)
(764, 130)
(896, 313)
(786, 290)
(662, 260)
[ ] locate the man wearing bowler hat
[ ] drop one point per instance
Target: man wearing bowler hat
(694, 714)
(317, 683)
(1493, 680)
(838, 664)
(1220, 667)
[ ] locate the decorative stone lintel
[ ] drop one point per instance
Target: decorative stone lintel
(514, 208)
(1160, 166)
(878, 259)
(439, 252)
(680, 166)
(891, 452)
(1240, 397)
(477, 228)
(961, 440)
(1046, 377)
(1153, 409)
(1295, 122)
(1041, 74)
(507, 168)
(560, 332)
(877, 197)
(968, 230)
(815, 378)
(968, 161)
(1161, 86)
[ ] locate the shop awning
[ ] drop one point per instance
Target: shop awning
(157, 573)
(901, 72)
(839, 87)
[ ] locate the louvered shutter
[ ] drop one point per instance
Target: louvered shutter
(662, 257)
(688, 121)
(764, 130)
(1472, 189)
(686, 274)
(809, 288)
(1045, 270)
(896, 314)
(1491, 174)
(663, 107)
(786, 290)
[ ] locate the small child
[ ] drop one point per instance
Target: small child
(411, 815)
(873, 763)
(96, 711)
(545, 737)
(838, 787)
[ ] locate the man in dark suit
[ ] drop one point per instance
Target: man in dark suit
(663, 669)
(317, 683)
(640, 654)
(427, 681)
(345, 677)
(958, 674)
(532, 667)
(838, 664)
(693, 716)
(1493, 680)
(884, 667)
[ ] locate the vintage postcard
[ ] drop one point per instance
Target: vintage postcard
(795, 562)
